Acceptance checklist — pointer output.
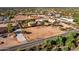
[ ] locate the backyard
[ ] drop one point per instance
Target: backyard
(8, 42)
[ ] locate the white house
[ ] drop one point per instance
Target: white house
(41, 19)
(69, 20)
(57, 15)
(51, 20)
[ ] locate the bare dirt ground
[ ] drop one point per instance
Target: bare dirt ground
(5, 25)
(40, 32)
(8, 42)
(35, 33)
(66, 25)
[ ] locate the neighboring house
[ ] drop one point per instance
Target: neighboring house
(57, 15)
(67, 20)
(57, 23)
(4, 19)
(1, 18)
(41, 16)
(50, 14)
(32, 23)
(39, 23)
(51, 20)
(41, 19)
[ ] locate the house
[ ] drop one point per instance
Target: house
(51, 20)
(3, 19)
(65, 19)
(32, 23)
(50, 14)
(41, 16)
(40, 19)
(69, 20)
(57, 15)
(6, 18)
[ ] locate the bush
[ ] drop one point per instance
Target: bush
(66, 49)
(10, 27)
(59, 41)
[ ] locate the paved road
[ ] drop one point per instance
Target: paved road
(30, 44)
(26, 45)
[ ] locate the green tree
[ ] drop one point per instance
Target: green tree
(59, 41)
(47, 42)
(76, 18)
(9, 27)
(66, 49)
(70, 42)
(71, 36)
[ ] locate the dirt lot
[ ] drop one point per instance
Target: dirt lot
(5, 25)
(42, 32)
(8, 42)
